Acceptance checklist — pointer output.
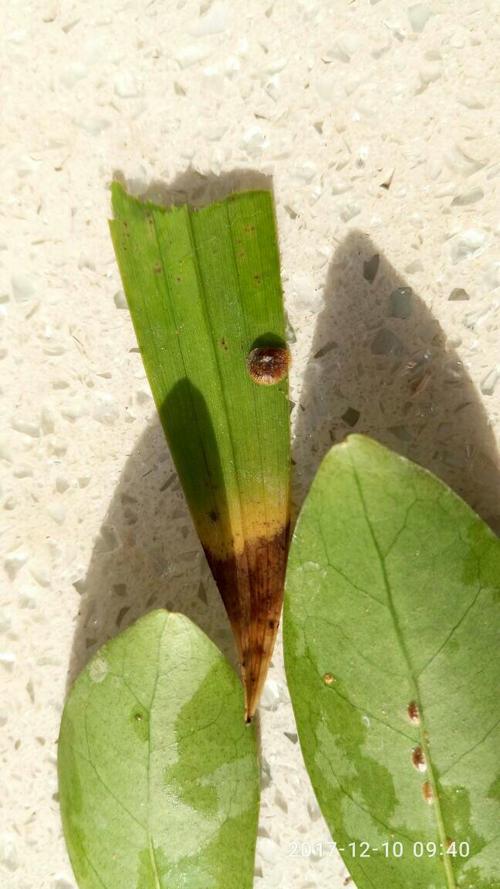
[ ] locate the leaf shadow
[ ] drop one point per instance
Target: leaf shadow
(381, 365)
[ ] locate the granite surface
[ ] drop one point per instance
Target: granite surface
(376, 124)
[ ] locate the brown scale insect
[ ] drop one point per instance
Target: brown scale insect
(418, 759)
(413, 713)
(427, 792)
(268, 365)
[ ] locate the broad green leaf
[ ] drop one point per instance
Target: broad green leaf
(203, 288)
(158, 772)
(392, 626)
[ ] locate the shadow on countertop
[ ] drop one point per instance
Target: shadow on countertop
(379, 365)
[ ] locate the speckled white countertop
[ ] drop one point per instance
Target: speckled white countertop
(378, 123)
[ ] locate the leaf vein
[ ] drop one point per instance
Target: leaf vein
(452, 631)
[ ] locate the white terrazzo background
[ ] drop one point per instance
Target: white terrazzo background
(379, 124)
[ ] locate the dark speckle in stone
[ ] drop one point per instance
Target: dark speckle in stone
(400, 302)
(351, 416)
(370, 268)
(386, 343)
(458, 294)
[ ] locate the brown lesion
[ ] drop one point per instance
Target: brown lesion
(268, 365)
(251, 584)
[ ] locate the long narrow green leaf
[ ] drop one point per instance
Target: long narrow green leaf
(158, 774)
(204, 292)
(392, 631)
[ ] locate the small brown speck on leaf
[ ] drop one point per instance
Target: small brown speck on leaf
(413, 713)
(418, 759)
(328, 679)
(427, 792)
(268, 365)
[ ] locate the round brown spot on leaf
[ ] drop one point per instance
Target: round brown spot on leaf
(268, 365)
(328, 679)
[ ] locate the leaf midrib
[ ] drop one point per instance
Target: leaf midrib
(448, 870)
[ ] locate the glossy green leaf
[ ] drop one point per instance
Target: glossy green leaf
(204, 292)
(392, 631)
(158, 772)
